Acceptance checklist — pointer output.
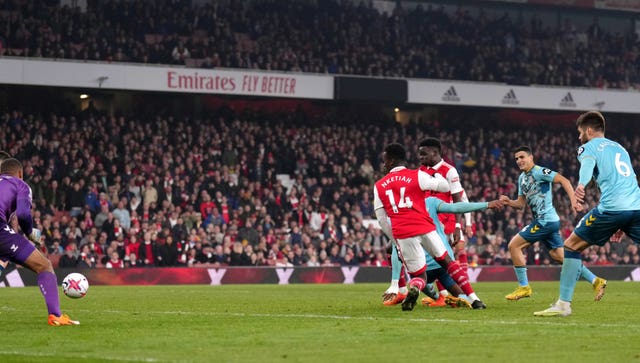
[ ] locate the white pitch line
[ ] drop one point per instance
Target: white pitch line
(74, 356)
(560, 321)
(541, 321)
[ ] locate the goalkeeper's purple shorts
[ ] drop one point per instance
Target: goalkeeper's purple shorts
(14, 246)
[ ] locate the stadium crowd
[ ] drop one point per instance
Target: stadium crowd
(119, 191)
(326, 37)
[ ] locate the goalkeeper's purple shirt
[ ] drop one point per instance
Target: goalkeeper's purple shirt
(15, 197)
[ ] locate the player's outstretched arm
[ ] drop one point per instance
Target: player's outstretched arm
(462, 197)
(566, 185)
(464, 207)
(514, 203)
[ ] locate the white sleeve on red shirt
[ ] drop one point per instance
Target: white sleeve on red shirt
(383, 221)
(467, 216)
(381, 214)
(436, 183)
(454, 181)
(377, 203)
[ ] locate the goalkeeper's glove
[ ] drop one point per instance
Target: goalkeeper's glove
(35, 236)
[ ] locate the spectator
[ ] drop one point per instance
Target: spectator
(75, 199)
(333, 198)
(115, 261)
(101, 217)
(168, 253)
(349, 259)
(122, 214)
(148, 251)
(237, 257)
(70, 257)
(180, 53)
(149, 194)
(55, 248)
(249, 234)
(87, 258)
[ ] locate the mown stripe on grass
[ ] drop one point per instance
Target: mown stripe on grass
(552, 321)
(549, 321)
(74, 356)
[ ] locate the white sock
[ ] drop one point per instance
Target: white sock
(473, 296)
(394, 284)
(393, 287)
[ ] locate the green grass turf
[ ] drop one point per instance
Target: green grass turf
(317, 323)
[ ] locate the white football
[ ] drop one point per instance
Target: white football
(75, 285)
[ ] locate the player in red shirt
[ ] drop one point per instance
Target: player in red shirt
(430, 155)
(399, 196)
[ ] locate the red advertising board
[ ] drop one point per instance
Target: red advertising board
(282, 276)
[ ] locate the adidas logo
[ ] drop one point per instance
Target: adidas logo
(510, 98)
(451, 95)
(567, 101)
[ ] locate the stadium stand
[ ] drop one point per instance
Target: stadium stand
(428, 41)
(221, 202)
(274, 189)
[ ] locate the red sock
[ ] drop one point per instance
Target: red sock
(402, 282)
(440, 286)
(462, 258)
(418, 282)
(460, 276)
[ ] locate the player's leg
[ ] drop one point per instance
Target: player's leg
(414, 259)
(461, 256)
(31, 258)
(593, 229)
(439, 291)
(443, 293)
(457, 297)
(598, 283)
(434, 245)
(460, 250)
(555, 245)
(569, 275)
(397, 290)
(516, 245)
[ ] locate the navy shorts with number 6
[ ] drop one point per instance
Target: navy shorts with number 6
(597, 227)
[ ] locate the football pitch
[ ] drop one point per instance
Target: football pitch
(317, 323)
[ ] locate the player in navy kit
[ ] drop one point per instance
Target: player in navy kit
(609, 164)
(535, 190)
(15, 198)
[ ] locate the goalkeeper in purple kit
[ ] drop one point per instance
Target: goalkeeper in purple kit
(15, 198)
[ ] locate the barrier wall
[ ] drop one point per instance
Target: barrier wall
(301, 275)
(175, 79)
